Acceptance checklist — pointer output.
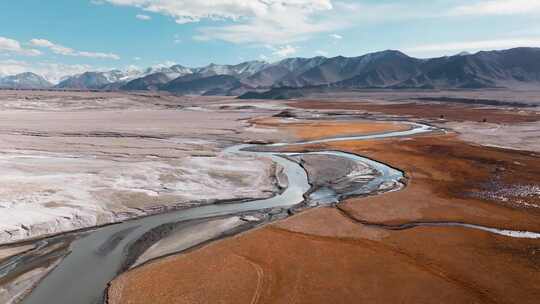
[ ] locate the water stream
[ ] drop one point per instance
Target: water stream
(84, 274)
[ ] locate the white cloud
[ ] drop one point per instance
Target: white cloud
(453, 47)
(185, 11)
(498, 7)
(132, 67)
(279, 22)
(164, 64)
(8, 45)
(11, 67)
(137, 58)
(261, 21)
(53, 72)
(321, 53)
(143, 17)
(283, 51)
(66, 51)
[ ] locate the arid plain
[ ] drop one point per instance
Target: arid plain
(461, 226)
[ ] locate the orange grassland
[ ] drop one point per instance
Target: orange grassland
(334, 255)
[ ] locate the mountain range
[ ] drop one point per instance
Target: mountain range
(512, 68)
(24, 81)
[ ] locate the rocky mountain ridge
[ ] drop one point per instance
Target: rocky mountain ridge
(390, 69)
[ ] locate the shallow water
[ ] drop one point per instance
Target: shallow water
(83, 275)
(504, 232)
(416, 128)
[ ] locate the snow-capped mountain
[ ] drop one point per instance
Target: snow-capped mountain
(118, 78)
(98, 80)
(518, 67)
(119, 75)
(24, 81)
(172, 72)
(241, 70)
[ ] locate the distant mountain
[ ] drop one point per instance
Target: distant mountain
(241, 70)
(283, 73)
(24, 81)
(212, 85)
(85, 81)
(152, 82)
(275, 93)
(513, 68)
(519, 67)
(110, 80)
(380, 70)
(157, 78)
(120, 76)
(172, 72)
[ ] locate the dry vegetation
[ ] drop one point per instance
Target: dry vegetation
(335, 254)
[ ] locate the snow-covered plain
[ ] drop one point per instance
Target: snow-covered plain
(49, 193)
(74, 160)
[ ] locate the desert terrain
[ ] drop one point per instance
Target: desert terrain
(455, 218)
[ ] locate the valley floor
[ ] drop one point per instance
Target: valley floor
(78, 160)
(376, 249)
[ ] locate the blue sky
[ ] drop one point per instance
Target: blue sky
(59, 37)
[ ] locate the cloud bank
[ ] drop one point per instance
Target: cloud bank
(143, 17)
(256, 21)
(66, 51)
(53, 72)
(497, 7)
(8, 45)
(495, 44)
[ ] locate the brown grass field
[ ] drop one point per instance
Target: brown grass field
(338, 255)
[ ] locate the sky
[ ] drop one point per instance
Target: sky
(55, 38)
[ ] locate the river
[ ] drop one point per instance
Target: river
(97, 257)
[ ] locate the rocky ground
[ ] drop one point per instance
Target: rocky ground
(362, 250)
